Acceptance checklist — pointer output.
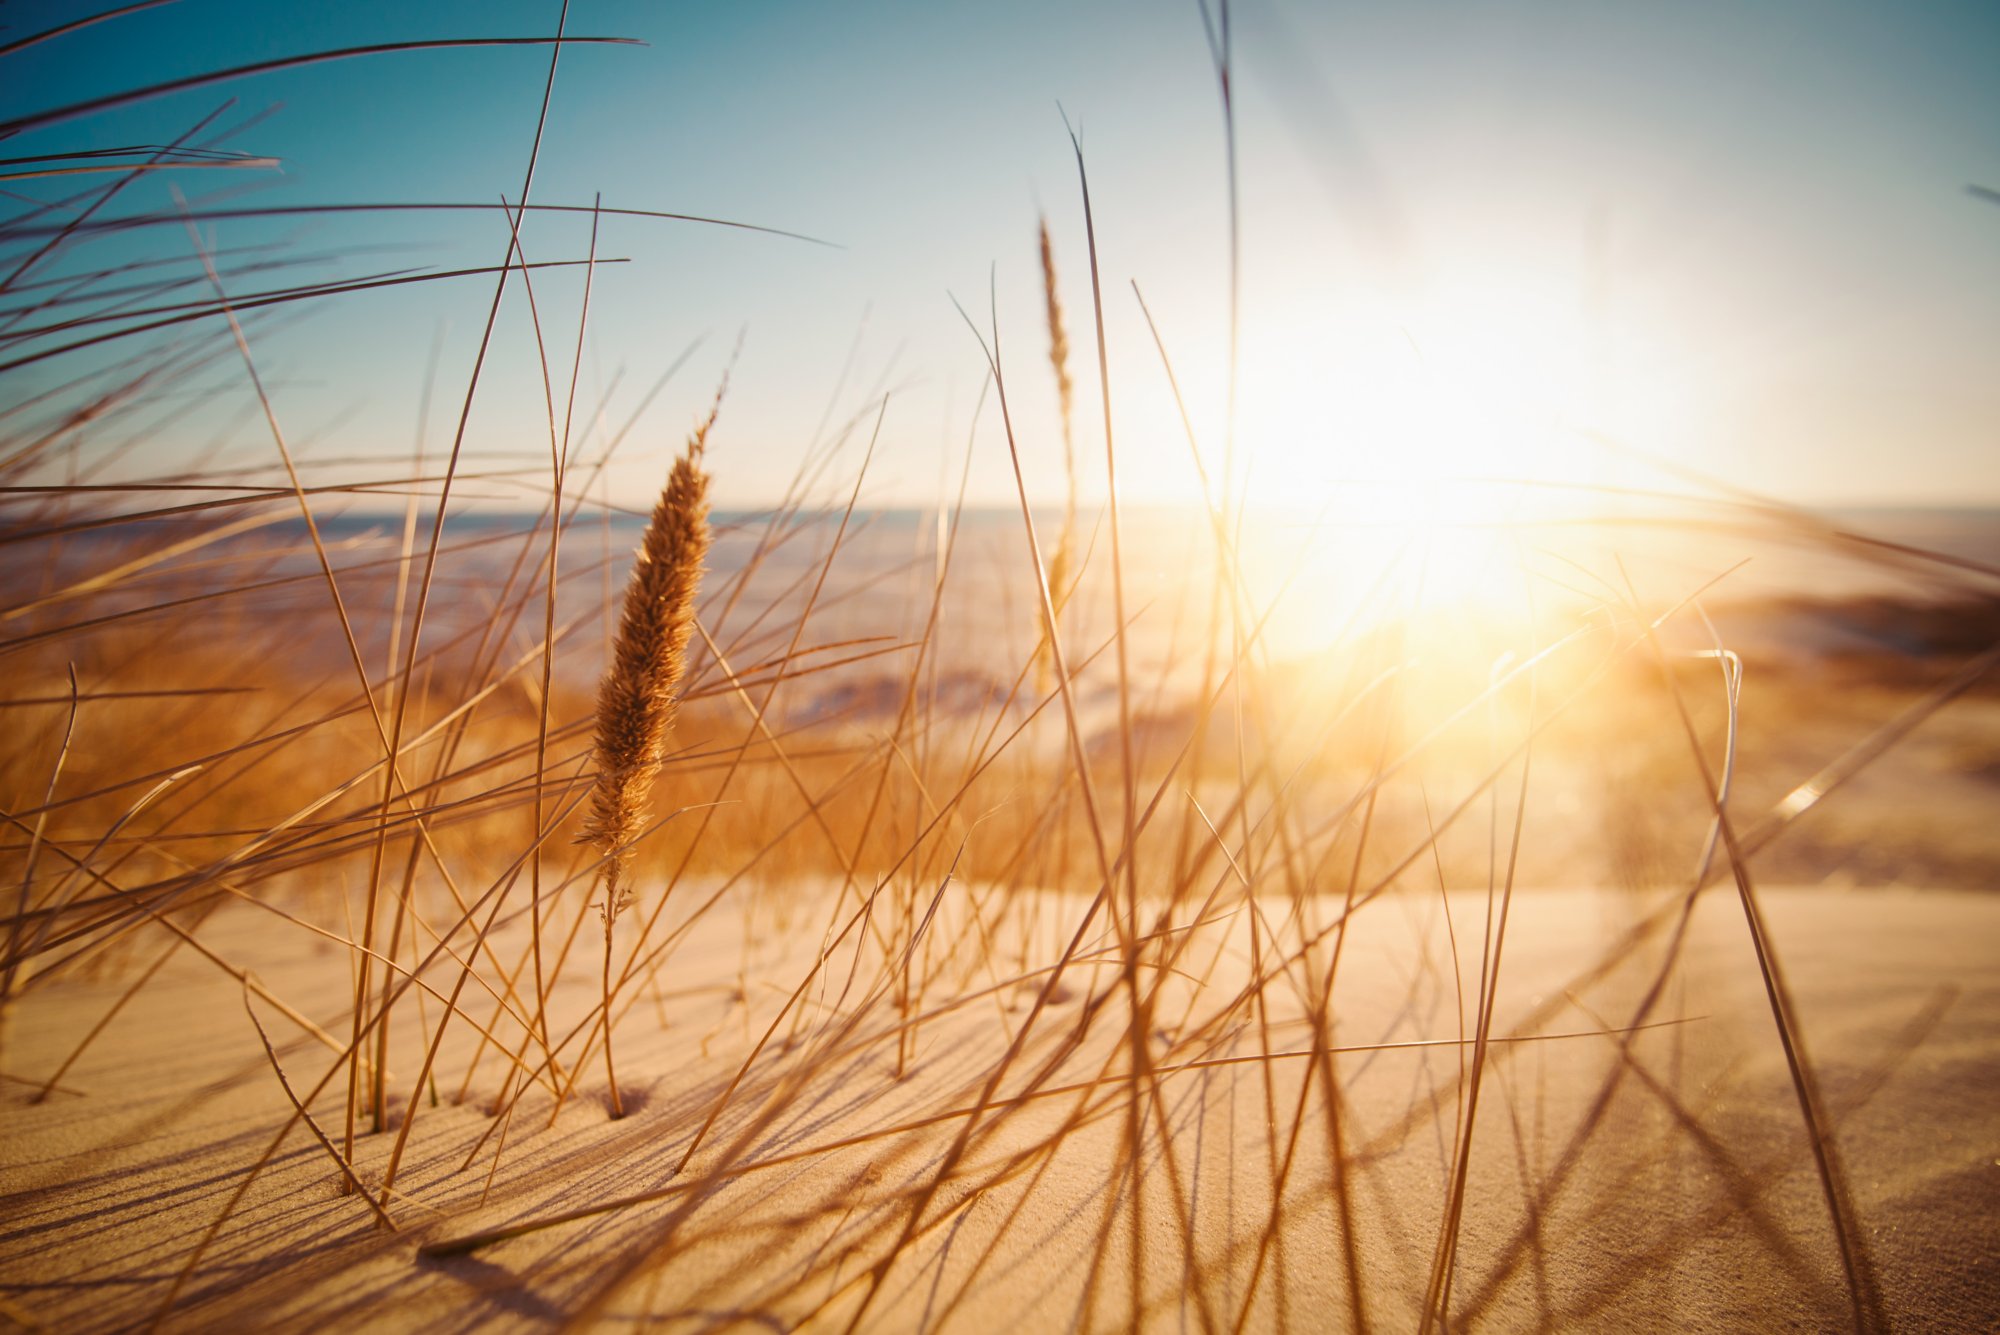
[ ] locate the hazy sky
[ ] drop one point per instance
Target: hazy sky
(1476, 237)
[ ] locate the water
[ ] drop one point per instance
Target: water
(1307, 584)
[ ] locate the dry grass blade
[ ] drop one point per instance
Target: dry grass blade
(305, 1115)
(18, 926)
(113, 101)
(126, 223)
(266, 300)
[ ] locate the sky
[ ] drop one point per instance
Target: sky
(1550, 242)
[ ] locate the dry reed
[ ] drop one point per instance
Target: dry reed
(636, 701)
(1063, 559)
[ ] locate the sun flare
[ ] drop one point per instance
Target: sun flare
(1477, 383)
(1408, 443)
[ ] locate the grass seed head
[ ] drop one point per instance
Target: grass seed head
(637, 699)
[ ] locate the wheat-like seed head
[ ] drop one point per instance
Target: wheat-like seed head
(1058, 340)
(1059, 563)
(636, 700)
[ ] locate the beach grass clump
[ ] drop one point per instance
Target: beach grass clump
(1220, 966)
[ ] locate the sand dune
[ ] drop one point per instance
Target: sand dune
(1691, 1201)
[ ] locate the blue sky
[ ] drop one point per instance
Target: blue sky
(1477, 237)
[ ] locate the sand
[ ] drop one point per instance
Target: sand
(1693, 1204)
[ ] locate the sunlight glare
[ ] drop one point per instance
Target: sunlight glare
(1412, 440)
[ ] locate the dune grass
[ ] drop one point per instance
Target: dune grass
(957, 886)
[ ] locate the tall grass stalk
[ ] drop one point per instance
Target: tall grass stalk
(1063, 560)
(637, 699)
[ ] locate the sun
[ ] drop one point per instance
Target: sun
(1409, 444)
(1480, 381)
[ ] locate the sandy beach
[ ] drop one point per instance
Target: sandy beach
(1688, 1200)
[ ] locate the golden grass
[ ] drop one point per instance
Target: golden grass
(637, 699)
(955, 919)
(1064, 557)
